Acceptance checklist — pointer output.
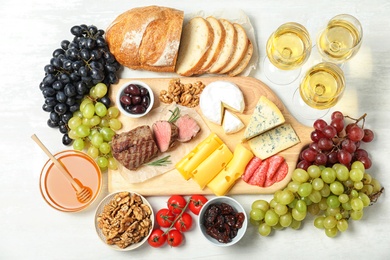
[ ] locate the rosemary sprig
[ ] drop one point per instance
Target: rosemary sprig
(160, 162)
(175, 115)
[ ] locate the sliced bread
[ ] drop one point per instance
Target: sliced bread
(244, 62)
(240, 50)
(196, 40)
(215, 49)
(227, 49)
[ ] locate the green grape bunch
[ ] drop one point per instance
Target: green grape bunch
(334, 191)
(93, 126)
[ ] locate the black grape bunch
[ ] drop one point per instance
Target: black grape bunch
(74, 69)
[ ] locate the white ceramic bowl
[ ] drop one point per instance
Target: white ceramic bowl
(236, 206)
(121, 93)
(100, 209)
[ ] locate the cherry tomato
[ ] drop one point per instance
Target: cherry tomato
(157, 238)
(164, 217)
(196, 203)
(174, 237)
(176, 204)
(184, 223)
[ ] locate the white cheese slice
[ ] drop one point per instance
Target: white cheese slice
(266, 116)
(273, 141)
(231, 123)
(219, 95)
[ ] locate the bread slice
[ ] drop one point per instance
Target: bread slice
(244, 62)
(196, 40)
(215, 49)
(227, 49)
(240, 50)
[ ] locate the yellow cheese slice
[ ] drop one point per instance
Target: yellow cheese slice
(266, 116)
(212, 165)
(273, 141)
(189, 163)
(225, 180)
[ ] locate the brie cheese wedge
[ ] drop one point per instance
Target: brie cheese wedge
(219, 95)
(231, 123)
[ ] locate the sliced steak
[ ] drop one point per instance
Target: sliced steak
(135, 147)
(165, 134)
(188, 128)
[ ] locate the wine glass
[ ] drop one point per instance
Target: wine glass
(320, 89)
(341, 39)
(287, 48)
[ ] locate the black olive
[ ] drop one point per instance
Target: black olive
(125, 100)
(136, 100)
(146, 101)
(132, 89)
(138, 109)
(143, 91)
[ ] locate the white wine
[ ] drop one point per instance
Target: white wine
(341, 39)
(322, 86)
(289, 46)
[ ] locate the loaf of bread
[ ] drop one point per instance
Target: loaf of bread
(146, 38)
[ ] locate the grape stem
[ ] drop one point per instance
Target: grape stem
(363, 117)
(375, 196)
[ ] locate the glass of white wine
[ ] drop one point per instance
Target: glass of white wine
(320, 89)
(341, 39)
(287, 48)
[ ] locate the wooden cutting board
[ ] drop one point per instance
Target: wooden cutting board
(172, 182)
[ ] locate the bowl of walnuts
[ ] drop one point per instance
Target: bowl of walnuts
(124, 220)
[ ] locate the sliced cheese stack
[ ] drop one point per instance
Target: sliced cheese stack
(267, 134)
(225, 180)
(192, 160)
(211, 45)
(212, 164)
(218, 96)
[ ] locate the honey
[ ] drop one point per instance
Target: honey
(58, 191)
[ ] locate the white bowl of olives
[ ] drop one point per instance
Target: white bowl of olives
(135, 99)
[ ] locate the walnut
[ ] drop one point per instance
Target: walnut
(185, 99)
(125, 220)
(182, 94)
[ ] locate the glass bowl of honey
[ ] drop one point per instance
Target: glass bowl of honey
(58, 192)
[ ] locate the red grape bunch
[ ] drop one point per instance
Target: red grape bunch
(337, 142)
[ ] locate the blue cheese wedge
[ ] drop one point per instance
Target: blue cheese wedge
(273, 141)
(231, 123)
(266, 116)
